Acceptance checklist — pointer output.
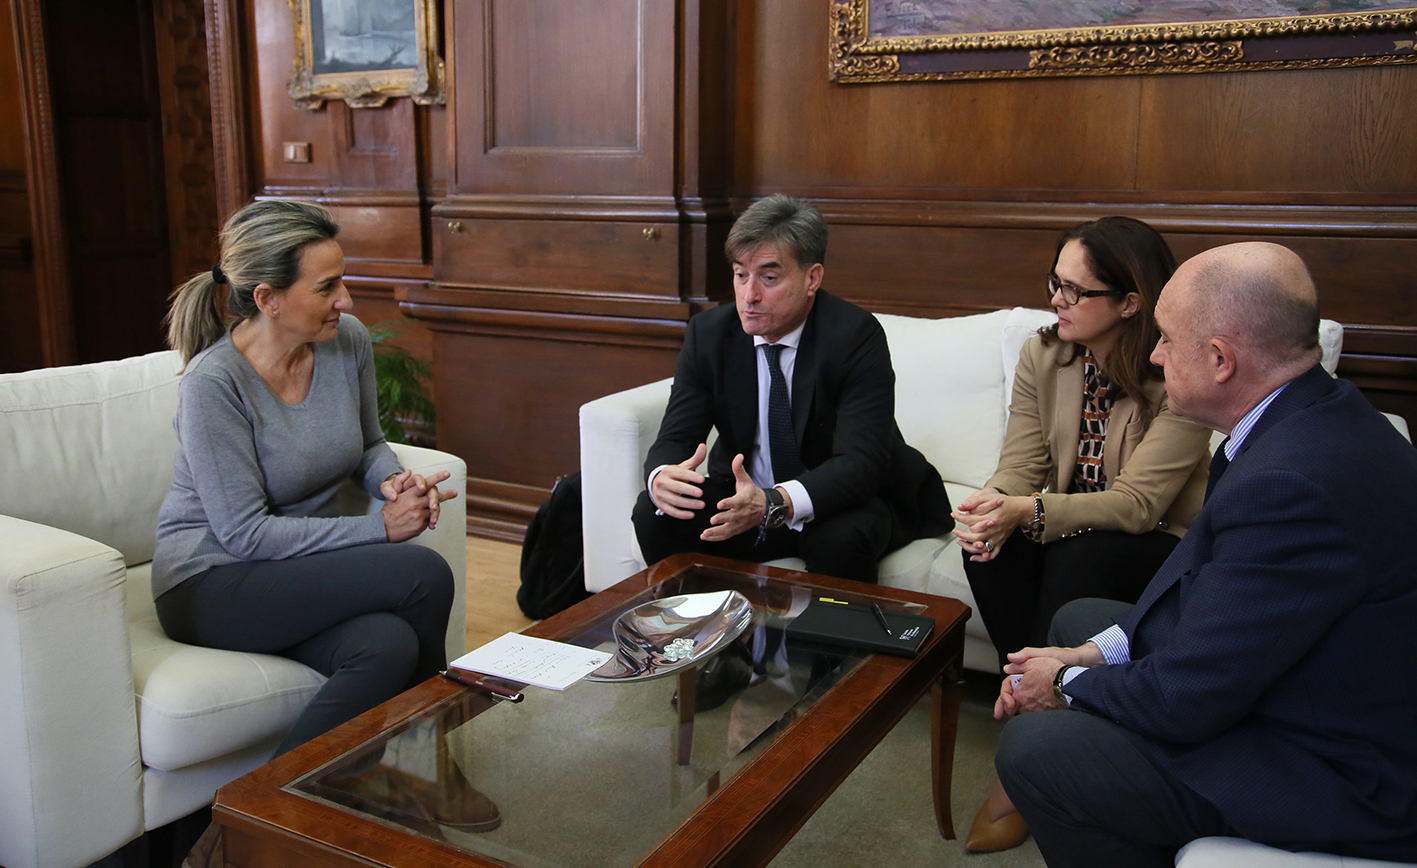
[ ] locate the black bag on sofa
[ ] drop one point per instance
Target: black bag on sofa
(553, 554)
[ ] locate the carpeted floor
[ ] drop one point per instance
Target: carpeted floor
(884, 815)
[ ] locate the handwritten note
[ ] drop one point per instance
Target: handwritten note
(533, 661)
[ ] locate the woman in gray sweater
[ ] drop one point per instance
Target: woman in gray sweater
(273, 414)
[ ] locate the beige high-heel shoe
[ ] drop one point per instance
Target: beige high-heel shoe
(989, 835)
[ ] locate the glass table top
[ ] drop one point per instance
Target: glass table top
(602, 772)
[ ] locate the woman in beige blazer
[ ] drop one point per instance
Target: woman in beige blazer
(1097, 480)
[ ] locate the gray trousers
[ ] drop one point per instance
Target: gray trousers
(372, 618)
(1087, 786)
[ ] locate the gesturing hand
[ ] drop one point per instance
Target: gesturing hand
(675, 488)
(740, 512)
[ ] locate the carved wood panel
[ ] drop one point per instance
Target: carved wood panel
(187, 134)
(564, 98)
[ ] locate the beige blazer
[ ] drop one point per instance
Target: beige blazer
(1156, 473)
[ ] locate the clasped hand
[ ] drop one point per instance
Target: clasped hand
(411, 503)
(678, 494)
(989, 518)
(1036, 668)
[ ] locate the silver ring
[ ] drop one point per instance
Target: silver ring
(988, 546)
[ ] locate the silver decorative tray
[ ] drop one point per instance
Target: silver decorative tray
(663, 636)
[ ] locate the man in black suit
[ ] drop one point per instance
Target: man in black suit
(1263, 686)
(809, 461)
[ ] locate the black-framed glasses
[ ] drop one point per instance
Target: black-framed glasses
(1072, 293)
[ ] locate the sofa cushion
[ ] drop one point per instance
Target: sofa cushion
(101, 433)
(1022, 324)
(196, 704)
(949, 399)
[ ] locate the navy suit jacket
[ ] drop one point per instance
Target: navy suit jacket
(1274, 662)
(843, 411)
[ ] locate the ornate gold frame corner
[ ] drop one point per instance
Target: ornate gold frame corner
(424, 83)
(1213, 46)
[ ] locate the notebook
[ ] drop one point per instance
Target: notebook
(830, 622)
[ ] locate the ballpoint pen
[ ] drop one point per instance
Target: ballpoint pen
(881, 616)
(477, 682)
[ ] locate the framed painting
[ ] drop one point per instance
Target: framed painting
(366, 51)
(923, 40)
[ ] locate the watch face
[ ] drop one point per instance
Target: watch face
(776, 514)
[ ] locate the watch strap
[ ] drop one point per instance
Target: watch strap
(775, 515)
(1058, 685)
(1034, 529)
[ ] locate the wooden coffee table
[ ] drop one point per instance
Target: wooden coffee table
(613, 774)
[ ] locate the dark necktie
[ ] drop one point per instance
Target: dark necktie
(782, 442)
(1218, 463)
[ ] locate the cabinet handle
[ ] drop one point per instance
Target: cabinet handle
(651, 233)
(455, 226)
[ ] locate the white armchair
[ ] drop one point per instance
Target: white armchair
(107, 727)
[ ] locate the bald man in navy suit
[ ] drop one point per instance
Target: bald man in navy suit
(1265, 684)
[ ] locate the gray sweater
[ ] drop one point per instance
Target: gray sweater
(256, 478)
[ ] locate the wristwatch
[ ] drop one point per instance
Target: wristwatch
(1058, 693)
(1034, 529)
(776, 514)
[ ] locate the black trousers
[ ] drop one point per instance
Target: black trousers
(1020, 590)
(1088, 787)
(846, 545)
(371, 618)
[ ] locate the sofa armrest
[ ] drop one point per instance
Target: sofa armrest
(449, 538)
(66, 700)
(616, 434)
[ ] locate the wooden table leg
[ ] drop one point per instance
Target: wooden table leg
(944, 701)
(688, 697)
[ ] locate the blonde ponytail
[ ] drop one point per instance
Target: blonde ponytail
(195, 322)
(261, 244)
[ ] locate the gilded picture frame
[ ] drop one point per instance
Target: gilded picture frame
(366, 52)
(933, 40)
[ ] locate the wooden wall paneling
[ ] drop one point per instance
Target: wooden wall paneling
(20, 348)
(612, 258)
(231, 79)
(560, 251)
(706, 63)
(20, 345)
(51, 244)
(280, 120)
(108, 135)
(187, 135)
(509, 389)
(12, 131)
(565, 98)
(1299, 134)
(375, 148)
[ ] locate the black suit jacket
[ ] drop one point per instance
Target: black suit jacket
(843, 410)
(1273, 661)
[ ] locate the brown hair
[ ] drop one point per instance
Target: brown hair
(262, 243)
(795, 224)
(1127, 256)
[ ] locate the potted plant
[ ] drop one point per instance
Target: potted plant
(400, 383)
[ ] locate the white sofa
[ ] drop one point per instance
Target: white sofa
(107, 727)
(954, 380)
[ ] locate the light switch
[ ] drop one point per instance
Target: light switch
(296, 152)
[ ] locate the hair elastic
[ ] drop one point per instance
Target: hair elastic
(218, 275)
